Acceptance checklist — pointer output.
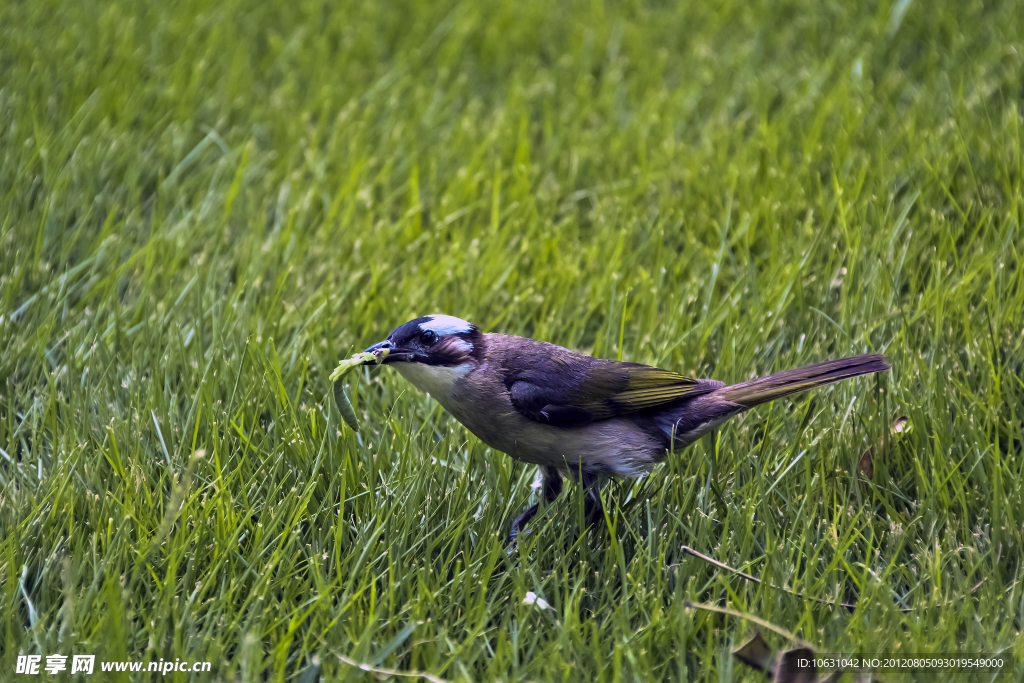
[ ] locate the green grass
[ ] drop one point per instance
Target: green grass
(203, 208)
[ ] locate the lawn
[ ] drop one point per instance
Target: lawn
(203, 207)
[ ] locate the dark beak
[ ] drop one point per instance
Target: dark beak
(387, 352)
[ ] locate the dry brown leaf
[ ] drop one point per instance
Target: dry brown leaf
(866, 464)
(790, 671)
(756, 654)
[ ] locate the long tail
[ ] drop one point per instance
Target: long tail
(764, 389)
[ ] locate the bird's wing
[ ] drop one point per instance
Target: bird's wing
(569, 389)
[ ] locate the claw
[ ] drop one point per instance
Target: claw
(519, 522)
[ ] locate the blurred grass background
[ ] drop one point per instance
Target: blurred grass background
(202, 207)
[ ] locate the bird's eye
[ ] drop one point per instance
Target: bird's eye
(429, 337)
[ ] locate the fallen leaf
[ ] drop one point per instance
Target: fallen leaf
(790, 670)
(756, 654)
(866, 464)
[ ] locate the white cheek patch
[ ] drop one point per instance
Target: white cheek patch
(446, 324)
(461, 345)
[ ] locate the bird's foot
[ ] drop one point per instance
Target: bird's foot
(517, 528)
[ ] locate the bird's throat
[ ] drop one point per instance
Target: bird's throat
(437, 380)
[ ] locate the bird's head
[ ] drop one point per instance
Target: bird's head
(435, 340)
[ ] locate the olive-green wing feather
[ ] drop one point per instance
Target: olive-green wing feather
(569, 389)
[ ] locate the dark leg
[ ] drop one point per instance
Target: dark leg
(519, 522)
(552, 487)
(552, 484)
(593, 511)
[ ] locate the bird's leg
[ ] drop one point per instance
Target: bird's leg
(552, 487)
(552, 484)
(519, 522)
(593, 510)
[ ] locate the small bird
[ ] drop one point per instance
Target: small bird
(573, 414)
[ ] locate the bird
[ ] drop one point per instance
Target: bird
(575, 415)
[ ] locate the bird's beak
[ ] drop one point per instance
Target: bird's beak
(386, 352)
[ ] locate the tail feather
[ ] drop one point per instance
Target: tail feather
(764, 389)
